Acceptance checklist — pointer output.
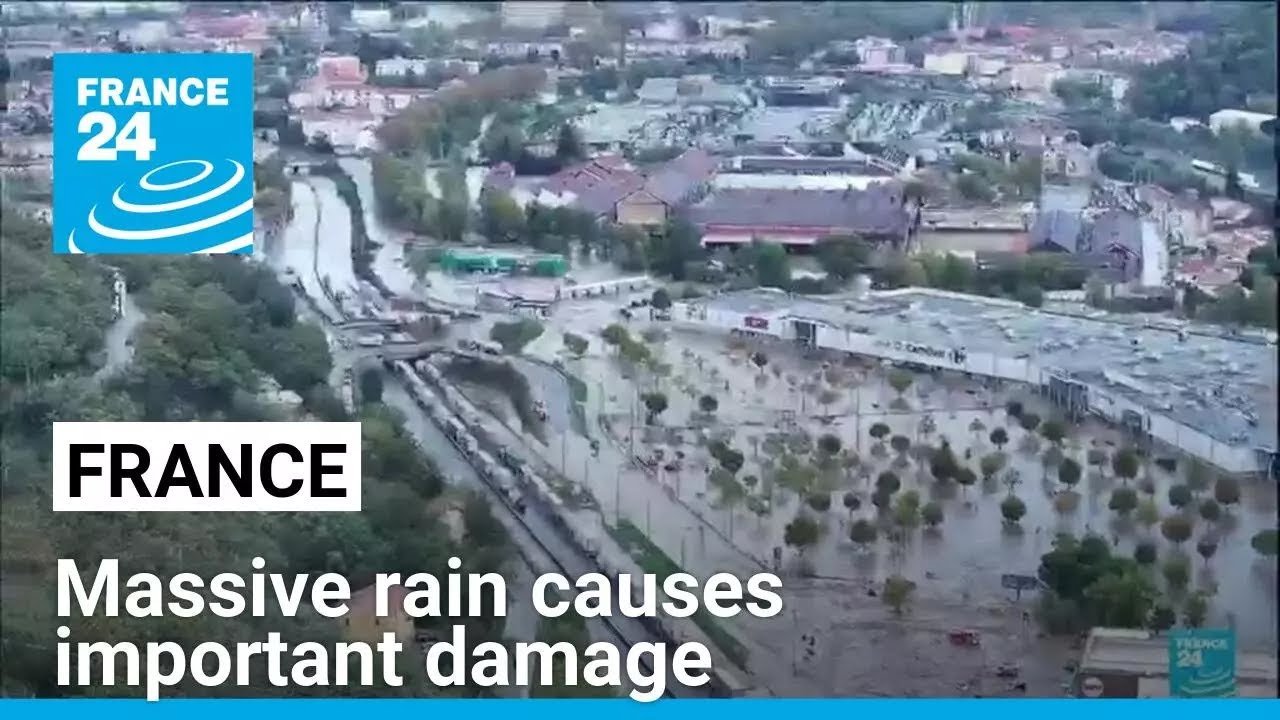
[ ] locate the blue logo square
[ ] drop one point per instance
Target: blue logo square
(153, 153)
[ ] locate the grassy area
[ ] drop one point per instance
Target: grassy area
(653, 560)
(577, 411)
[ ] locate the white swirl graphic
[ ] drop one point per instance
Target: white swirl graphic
(179, 204)
(205, 171)
(176, 231)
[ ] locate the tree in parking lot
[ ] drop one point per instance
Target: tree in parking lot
(1054, 431)
(1176, 529)
(1069, 472)
(990, 465)
(760, 360)
(801, 533)
(1123, 501)
(862, 532)
(900, 444)
(880, 431)
(900, 380)
(1125, 464)
(655, 403)
(708, 404)
(999, 438)
(1265, 542)
(897, 593)
(1227, 491)
(1012, 508)
(1179, 496)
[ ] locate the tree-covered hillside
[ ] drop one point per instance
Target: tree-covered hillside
(216, 330)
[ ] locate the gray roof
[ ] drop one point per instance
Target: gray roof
(1117, 228)
(878, 210)
(1218, 384)
(807, 165)
(1059, 230)
(1070, 197)
(676, 181)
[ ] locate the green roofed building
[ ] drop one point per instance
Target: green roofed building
(461, 261)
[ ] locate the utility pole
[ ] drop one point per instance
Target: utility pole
(617, 494)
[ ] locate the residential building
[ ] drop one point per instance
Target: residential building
(1183, 219)
(717, 27)
(876, 51)
(594, 186)
(948, 63)
(347, 130)
(799, 218)
(246, 32)
(372, 19)
(613, 190)
(402, 66)
(1067, 161)
(725, 49)
(533, 15)
(1257, 122)
(340, 68)
(146, 33)
(668, 187)
(512, 49)
(1124, 246)
(363, 624)
(1034, 77)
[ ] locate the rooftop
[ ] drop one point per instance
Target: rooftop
(877, 210)
(1218, 383)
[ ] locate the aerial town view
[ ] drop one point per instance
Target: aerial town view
(960, 317)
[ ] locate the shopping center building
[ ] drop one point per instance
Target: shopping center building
(1205, 390)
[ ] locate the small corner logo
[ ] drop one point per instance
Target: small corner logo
(153, 153)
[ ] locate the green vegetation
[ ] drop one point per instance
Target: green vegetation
(514, 335)
(502, 376)
(217, 329)
(1088, 586)
(652, 559)
(1234, 60)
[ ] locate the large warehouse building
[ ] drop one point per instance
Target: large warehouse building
(1210, 395)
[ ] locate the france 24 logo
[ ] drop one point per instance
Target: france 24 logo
(153, 153)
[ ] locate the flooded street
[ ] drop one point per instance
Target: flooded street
(333, 248)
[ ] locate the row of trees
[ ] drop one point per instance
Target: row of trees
(451, 118)
(218, 330)
(1023, 278)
